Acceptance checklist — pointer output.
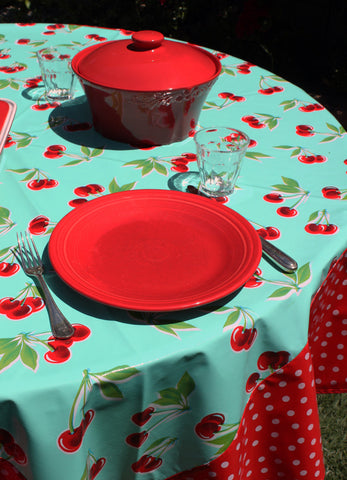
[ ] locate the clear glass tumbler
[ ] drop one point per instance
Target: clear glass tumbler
(220, 151)
(57, 75)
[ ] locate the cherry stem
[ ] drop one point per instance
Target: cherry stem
(176, 413)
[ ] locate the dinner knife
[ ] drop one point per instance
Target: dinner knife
(277, 256)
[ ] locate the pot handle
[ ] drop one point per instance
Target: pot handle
(147, 39)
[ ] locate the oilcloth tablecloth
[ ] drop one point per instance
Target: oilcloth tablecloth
(223, 392)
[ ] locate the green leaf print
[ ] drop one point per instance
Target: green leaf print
(186, 385)
(28, 356)
(110, 390)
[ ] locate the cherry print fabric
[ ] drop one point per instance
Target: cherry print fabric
(222, 391)
(328, 330)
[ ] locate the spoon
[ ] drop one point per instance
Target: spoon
(277, 256)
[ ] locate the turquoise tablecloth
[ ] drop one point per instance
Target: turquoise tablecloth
(177, 368)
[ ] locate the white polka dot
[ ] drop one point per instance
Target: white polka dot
(303, 400)
(249, 473)
(339, 297)
(328, 324)
(310, 427)
(324, 343)
(309, 412)
(278, 461)
(269, 408)
(296, 462)
(344, 321)
(336, 312)
(261, 387)
(336, 369)
(285, 398)
(333, 382)
(344, 332)
(317, 473)
(275, 421)
(301, 440)
(261, 459)
(329, 334)
(317, 463)
(292, 448)
(323, 355)
(267, 395)
(275, 434)
(273, 448)
(238, 446)
(258, 428)
(301, 385)
(298, 373)
(303, 473)
(295, 426)
(313, 441)
(264, 470)
(225, 464)
(283, 384)
(340, 346)
(280, 474)
(340, 357)
(212, 474)
(318, 381)
(251, 406)
(255, 416)
(231, 477)
(255, 443)
(290, 413)
(321, 368)
(312, 455)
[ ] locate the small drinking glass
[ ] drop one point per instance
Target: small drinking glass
(220, 151)
(57, 75)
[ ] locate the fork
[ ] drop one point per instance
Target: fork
(33, 266)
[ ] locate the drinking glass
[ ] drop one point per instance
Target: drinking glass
(220, 151)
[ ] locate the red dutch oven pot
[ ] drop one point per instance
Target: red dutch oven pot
(146, 90)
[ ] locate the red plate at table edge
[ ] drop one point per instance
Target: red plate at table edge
(154, 250)
(7, 113)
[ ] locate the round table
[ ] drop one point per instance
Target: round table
(226, 391)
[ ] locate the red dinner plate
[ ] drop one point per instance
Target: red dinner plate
(154, 250)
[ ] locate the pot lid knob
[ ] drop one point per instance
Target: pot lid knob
(147, 39)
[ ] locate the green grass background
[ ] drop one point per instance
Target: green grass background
(333, 423)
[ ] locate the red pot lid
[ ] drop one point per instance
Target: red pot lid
(146, 62)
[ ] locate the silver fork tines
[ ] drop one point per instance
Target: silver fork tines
(33, 266)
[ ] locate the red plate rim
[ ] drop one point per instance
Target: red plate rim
(68, 229)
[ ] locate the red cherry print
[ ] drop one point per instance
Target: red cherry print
(307, 158)
(21, 311)
(54, 151)
(262, 232)
(226, 95)
(272, 360)
(209, 425)
(38, 225)
(305, 130)
(141, 418)
(97, 467)
(7, 304)
(321, 158)
(278, 89)
(307, 108)
(60, 354)
(273, 198)
(36, 184)
(9, 142)
(23, 41)
(242, 338)
(81, 332)
(331, 192)
(287, 212)
(4, 56)
(252, 382)
(41, 106)
(136, 439)
(8, 269)
(71, 442)
(248, 119)
(147, 463)
(9, 471)
(77, 201)
(266, 91)
(16, 452)
(82, 191)
(272, 233)
(181, 168)
(329, 229)
(190, 157)
(36, 303)
(252, 143)
(95, 188)
(314, 228)
(257, 124)
(254, 281)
